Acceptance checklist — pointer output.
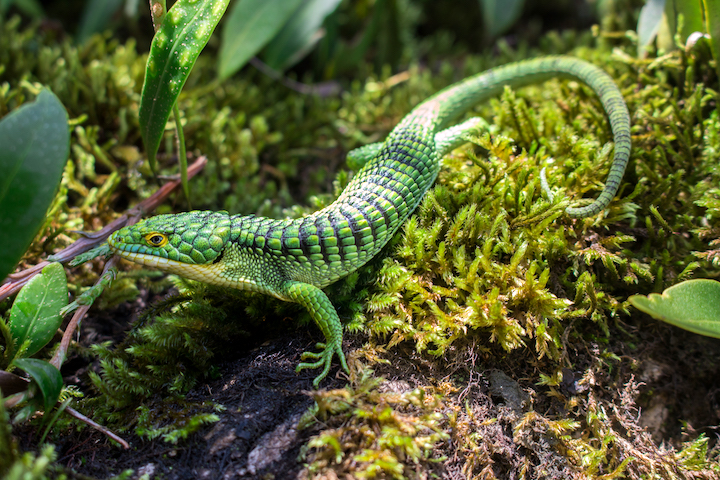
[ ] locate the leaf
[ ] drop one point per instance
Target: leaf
(35, 314)
(46, 377)
(299, 35)
(185, 31)
(250, 25)
(500, 15)
(692, 12)
(669, 23)
(693, 305)
(35, 143)
(651, 15)
(712, 26)
(31, 8)
(96, 16)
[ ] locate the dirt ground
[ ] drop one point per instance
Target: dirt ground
(670, 374)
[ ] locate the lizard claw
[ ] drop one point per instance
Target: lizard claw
(323, 359)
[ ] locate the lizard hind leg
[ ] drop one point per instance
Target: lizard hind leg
(325, 316)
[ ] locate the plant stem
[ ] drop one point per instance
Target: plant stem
(182, 153)
(158, 9)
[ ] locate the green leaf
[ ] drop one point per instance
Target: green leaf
(712, 26)
(35, 314)
(185, 31)
(667, 26)
(96, 16)
(299, 35)
(46, 377)
(31, 8)
(651, 15)
(692, 12)
(500, 15)
(35, 143)
(250, 25)
(693, 305)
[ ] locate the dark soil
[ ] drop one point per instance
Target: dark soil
(678, 398)
(263, 398)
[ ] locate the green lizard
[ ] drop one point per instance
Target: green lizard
(294, 259)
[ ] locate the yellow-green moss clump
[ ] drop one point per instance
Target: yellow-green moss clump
(502, 326)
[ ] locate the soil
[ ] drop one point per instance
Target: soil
(670, 374)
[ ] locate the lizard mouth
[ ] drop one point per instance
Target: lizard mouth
(202, 273)
(212, 273)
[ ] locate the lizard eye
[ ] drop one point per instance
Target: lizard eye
(156, 239)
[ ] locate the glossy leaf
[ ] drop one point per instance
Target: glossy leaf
(185, 31)
(500, 15)
(96, 17)
(299, 35)
(651, 16)
(250, 25)
(35, 314)
(693, 305)
(46, 377)
(35, 142)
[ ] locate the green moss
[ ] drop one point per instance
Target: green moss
(170, 348)
(374, 432)
(486, 259)
(487, 273)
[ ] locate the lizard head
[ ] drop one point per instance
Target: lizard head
(186, 243)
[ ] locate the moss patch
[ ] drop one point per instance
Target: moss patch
(501, 327)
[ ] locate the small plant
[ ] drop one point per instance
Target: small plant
(35, 141)
(180, 36)
(693, 305)
(36, 144)
(286, 30)
(675, 22)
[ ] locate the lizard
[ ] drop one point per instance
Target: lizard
(294, 259)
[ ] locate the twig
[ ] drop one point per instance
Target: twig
(15, 281)
(97, 427)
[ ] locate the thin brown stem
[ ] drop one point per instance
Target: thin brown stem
(98, 427)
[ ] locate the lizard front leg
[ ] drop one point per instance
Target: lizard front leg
(326, 318)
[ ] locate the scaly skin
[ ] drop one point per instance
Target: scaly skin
(294, 259)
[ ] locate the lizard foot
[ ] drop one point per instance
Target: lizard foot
(323, 359)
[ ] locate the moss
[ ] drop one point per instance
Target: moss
(487, 261)
(487, 275)
(371, 430)
(170, 348)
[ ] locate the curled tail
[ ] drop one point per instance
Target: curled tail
(456, 99)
